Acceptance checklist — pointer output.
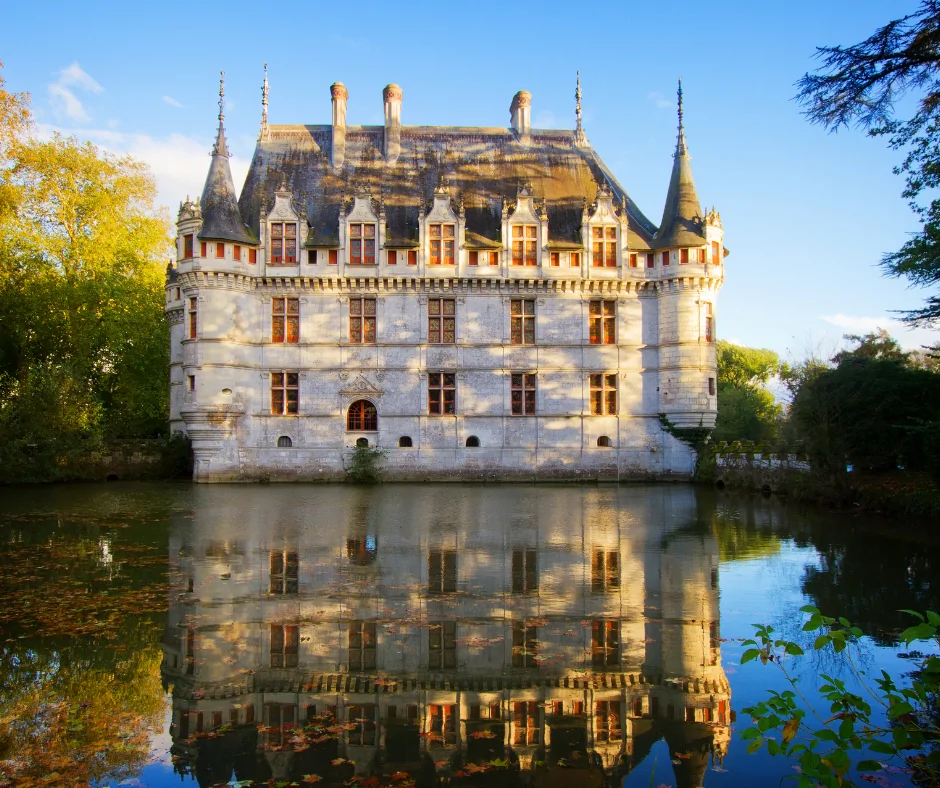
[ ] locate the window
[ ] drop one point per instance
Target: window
(522, 393)
(603, 318)
(192, 318)
(220, 251)
(362, 244)
(362, 443)
(176, 294)
(442, 571)
(605, 644)
(603, 247)
(555, 259)
(412, 257)
(441, 321)
(361, 646)
(188, 245)
(524, 244)
(279, 722)
(633, 259)
(525, 645)
(203, 249)
(473, 258)
(237, 252)
(442, 645)
(190, 651)
(285, 320)
(312, 256)
(284, 392)
(253, 256)
(442, 244)
(404, 442)
(607, 721)
(683, 256)
(711, 387)
(522, 321)
(714, 643)
(443, 724)
(442, 393)
(604, 442)
(575, 259)
(392, 257)
(283, 243)
(473, 442)
(334, 254)
(284, 442)
(362, 720)
(605, 571)
(494, 257)
(362, 551)
(716, 253)
(603, 395)
(650, 259)
(525, 571)
(525, 722)
(191, 379)
(708, 321)
(285, 642)
(284, 568)
(362, 321)
(362, 417)
(665, 258)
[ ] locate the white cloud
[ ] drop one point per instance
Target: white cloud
(172, 101)
(62, 97)
(910, 338)
(659, 100)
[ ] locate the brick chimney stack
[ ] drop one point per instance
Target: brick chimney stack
(340, 94)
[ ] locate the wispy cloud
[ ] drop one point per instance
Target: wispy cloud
(172, 101)
(659, 100)
(65, 104)
(911, 338)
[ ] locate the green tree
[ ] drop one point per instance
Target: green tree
(746, 410)
(860, 85)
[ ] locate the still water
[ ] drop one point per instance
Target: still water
(559, 637)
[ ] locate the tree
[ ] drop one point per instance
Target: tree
(860, 85)
(746, 410)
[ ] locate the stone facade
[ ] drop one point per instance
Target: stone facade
(330, 283)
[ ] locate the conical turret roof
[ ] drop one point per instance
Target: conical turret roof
(221, 220)
(682, 217)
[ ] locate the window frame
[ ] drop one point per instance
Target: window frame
(366, 421)
(524, 245)
(285, 320)
(438, 335)
(604, 246)
(286, 580)
(283, 384)
(193, 310)
(359, 331)
(278, 239)
(522, 393)
(602, 321)
(521, 321)
(439, 256)
(189, 246)
(359, 233)
(361, 657)
(442, 645)
(605, 643)
(444, 385)
(442, 572)
(603, 393)
(525, 644)
(284, 646)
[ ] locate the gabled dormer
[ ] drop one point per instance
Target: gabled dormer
(442, 227)
(284, 232)
(360, 229)
(524, 229)
(604, 231)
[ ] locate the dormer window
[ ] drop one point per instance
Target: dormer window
(362, 244)
(442, 244)
(283, 243)
(525, 244)
(604, 247)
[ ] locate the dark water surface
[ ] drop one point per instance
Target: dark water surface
(559, 637)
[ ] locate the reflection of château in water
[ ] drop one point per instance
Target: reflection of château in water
(463, 624)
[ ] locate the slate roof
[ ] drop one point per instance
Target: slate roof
(682, 223)
(481, 166)
(221, 219)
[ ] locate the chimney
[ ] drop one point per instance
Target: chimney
(392, 98)
(340, 94)
(521, 111)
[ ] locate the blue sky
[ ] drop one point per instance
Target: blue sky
(807, 214)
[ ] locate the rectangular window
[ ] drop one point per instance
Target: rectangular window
(665, 258)
(392, 257)
(362, 720)
(334, 254)
(575, 259)
(603, 247)
(188, 246)
(442, 571)
(605, 644)
(442, 244)
(361, 646)
(412, 257)
(605, 571)
(473, 258)
(441, 321)
(650, 260)
(716, 253)
(525, 571)
(607, 721)
(192, 382)
(443, 721)
(522, 321)
(522, 390)
(192, 318)
(442, 645)
(633, 259)
(285, 642)
(525, 644)
(176, 294)
(524, 244)
(525, 722)
(203, 251)
(362, 321)
(711, 387)
(279, 722)
(311, 257)
(683, 256)
(362, 244)
(253, 256)
(555, 259)
(285, 320)
(494, 258)
(708, 329)
(603, 395)
(603, 317)
(237, 252)
(442, 393)
(284, 392)
(220, 251)
(283, 243)
(284, 568)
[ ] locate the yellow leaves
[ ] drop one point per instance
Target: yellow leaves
(790, 730)
(311, 778)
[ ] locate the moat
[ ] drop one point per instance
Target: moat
(418, 635)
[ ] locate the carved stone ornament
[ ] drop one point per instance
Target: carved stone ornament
(361, 386)
(344, 375)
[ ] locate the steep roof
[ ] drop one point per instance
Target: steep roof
(483, 167)
(221, 220)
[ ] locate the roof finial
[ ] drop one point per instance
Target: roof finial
(221, 148)
(221, 96)
(580, 139)
(264, 103)
(680, 141)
